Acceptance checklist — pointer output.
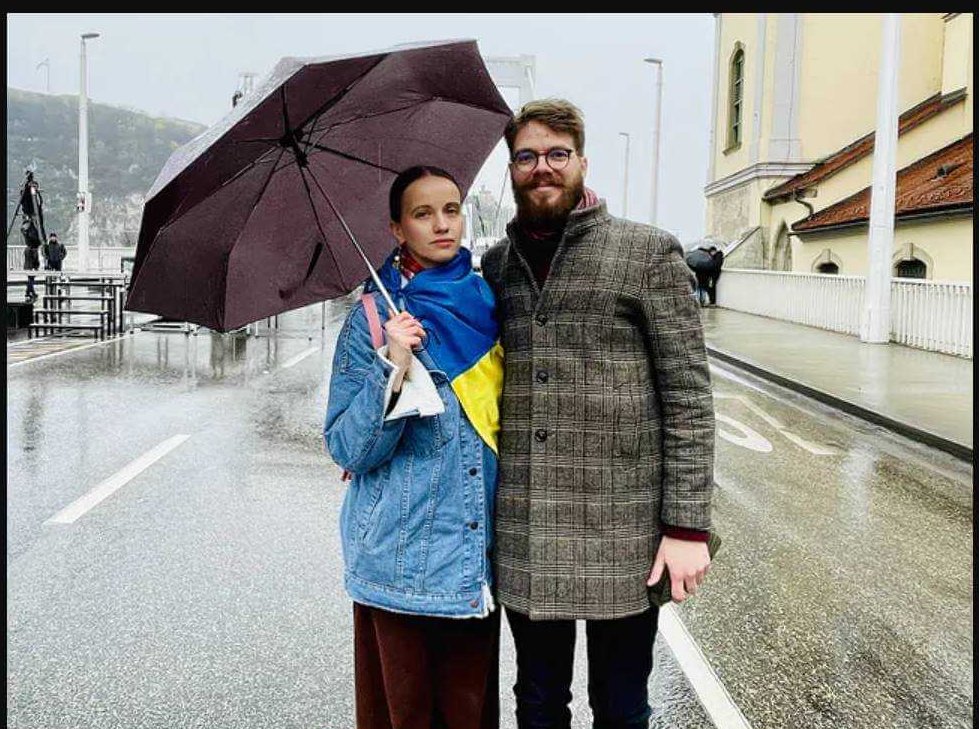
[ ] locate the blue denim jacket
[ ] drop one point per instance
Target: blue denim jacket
(416, 523)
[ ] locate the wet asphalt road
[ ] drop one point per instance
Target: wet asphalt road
(207, 591)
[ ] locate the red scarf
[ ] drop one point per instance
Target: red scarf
(408, 265)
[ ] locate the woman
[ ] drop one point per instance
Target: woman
(416, 523)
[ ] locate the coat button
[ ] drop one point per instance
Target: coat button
(542, 319)
(541, 376)
(541, 435)
(474, 525)
(473, 471)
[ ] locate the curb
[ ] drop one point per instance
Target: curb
(934, 440)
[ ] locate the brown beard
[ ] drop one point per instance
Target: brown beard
(548, 218)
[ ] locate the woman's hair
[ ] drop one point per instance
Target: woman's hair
(402, 181)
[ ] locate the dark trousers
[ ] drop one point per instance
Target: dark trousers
(712, 287)
(620, 659)
(416, 672)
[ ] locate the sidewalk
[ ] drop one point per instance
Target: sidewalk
(923, 395)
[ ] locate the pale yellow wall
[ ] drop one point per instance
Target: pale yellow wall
(956, 52)
(946, 241)
(768, 96)
(743, 28)
(840, 61)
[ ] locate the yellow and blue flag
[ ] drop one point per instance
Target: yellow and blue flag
(457, 309)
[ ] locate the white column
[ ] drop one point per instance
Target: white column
(84, 198)
(657, 120)
(625, 176)
(875, 322)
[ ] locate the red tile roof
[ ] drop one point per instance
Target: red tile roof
(940, 182)
(864, 146)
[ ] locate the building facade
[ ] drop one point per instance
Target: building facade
(794, 111)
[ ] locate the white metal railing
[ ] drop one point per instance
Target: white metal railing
(100, 258)
(932, 315)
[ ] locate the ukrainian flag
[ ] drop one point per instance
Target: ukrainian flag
(457, 309)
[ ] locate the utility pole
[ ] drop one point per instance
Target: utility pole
(657, 119)
(875, 323)
(625, 175)
(84, 204)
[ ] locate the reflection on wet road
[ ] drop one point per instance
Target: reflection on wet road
(205, 589)
(843, 593)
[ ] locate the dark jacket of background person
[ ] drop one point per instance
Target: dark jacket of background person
(607, 421)
(54, 253)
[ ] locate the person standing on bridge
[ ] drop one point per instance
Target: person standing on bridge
(607, 429)
(54, 253)
(416, 523)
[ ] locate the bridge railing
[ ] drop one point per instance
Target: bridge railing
(100, 258)
(931, 315)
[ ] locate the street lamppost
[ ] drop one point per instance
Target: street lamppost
(46, 63)
(658, 64)
(625, 175)
(84, 203)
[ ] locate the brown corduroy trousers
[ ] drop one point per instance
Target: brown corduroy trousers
(417, 672)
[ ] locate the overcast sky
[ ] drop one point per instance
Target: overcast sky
(187, 66)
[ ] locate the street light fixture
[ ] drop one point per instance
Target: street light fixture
(625, 181)
(84, 204)
(658, 120)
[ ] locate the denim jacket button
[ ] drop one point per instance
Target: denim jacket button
(474, 525)
(473, 471)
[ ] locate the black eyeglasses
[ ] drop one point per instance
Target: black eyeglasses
(557, 158)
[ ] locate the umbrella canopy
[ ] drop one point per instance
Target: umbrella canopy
(699, 259)
(255, 216)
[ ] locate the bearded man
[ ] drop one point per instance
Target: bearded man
(607, 429)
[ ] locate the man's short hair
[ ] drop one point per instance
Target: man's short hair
(558, 115)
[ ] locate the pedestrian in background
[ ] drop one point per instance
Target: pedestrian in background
(54, 253)
(607, 429)
(416, 523)
(717, 261)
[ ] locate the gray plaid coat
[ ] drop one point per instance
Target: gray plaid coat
(607, 420)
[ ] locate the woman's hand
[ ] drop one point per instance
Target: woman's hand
(403, 334)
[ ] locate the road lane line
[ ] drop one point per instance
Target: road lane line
(717, 702)
(104, 490)
(300, 357)
(60, 352)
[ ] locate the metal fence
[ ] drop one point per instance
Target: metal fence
(932, 315)
(108, 259)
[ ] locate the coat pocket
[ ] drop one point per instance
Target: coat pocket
(425, 435)
(625, 433)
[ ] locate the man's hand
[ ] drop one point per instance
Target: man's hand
(689, 563)
(403, 334)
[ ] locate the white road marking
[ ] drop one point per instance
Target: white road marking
(717, 702)
(299, 357)
(816, 449)
(61, 351)
(749, 438)
(104, 490)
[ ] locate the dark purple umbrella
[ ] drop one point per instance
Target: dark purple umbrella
(258, 215)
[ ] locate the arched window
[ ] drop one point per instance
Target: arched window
(828, 267)
(911, 268)
(736, 95)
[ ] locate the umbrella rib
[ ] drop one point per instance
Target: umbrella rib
(408, 106)
(353, 158)
(319, 226)
(251, 212)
